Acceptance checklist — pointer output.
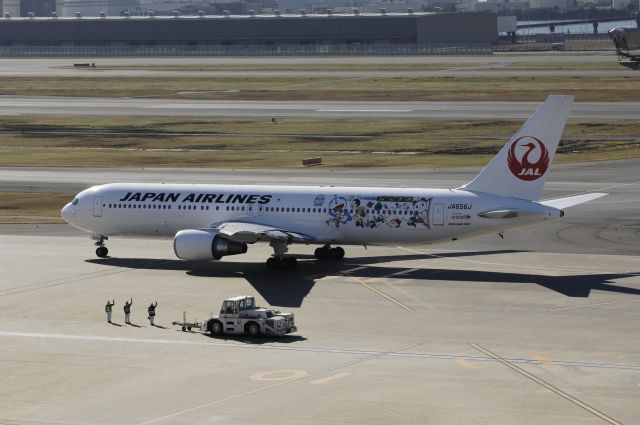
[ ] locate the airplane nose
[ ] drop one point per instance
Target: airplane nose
(66, 212)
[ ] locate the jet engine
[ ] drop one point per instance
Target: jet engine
(204, 245)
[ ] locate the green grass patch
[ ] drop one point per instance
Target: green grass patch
(232, 143)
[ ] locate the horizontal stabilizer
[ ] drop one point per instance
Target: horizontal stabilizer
(570, 201)
(506, 214)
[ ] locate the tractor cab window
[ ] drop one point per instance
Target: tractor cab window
(246, 304)
(227, 308)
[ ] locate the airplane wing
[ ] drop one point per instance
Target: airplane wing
(570, 201)
(238, 231)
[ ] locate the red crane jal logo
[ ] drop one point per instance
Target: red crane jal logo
(522, 154)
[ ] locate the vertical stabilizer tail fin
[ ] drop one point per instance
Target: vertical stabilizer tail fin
(521, 167)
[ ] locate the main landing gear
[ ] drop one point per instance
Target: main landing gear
(279, 261)
(328, 253)
(285, 263)
(101, 250)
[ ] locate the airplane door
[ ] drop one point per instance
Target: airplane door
(97, 206)
(438, 214)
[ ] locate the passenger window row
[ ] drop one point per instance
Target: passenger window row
(239, 208)
(207, 208)
(291, 209)
(137, 206)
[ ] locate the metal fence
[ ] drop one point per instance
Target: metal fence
(545, 42)
(252, 50)
(521, 44)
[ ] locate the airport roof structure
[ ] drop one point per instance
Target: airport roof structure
(408, 28)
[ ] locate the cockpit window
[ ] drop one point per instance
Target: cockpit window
(75, 201)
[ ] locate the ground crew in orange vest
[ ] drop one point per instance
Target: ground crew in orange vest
(108, 308)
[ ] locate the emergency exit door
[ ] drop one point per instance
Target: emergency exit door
(97, 206)
(438, 214)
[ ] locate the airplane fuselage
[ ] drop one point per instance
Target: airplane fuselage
(345, 215)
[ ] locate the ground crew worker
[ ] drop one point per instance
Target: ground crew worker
(152, 312)
(127, 311)
(107, 309)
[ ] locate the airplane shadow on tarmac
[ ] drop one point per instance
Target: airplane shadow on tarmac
(288, 288)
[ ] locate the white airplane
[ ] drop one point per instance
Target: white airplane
(208, 222)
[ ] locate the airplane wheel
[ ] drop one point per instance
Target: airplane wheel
(102, 251)
(289, 263)
(322, 253)
(334, 253)
(273, 263)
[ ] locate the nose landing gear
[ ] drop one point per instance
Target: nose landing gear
(101, 250)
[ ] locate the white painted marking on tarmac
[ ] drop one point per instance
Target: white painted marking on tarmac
(616, 202)
(354, 270)
(547, 385)
(467, 364)
(279, 375)
(575, 307)
(364, 110)
(601, 189)
(408, 295)
(191, 106)
(405, 354)
(401, 272)
(545, 361)
(570, 269)
(379, 292)
(276, 384)
(330, 378)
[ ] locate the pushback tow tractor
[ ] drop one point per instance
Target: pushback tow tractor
(240, 316)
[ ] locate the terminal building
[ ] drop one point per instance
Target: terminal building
(407, 29)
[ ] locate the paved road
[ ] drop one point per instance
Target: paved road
(452, 72)
(35, 64)
(43, 105)
(496, 65)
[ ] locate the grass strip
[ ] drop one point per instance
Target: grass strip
(231, 143)
(361, 89)
(32, 207)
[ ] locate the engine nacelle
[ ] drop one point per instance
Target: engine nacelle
(205, 245)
